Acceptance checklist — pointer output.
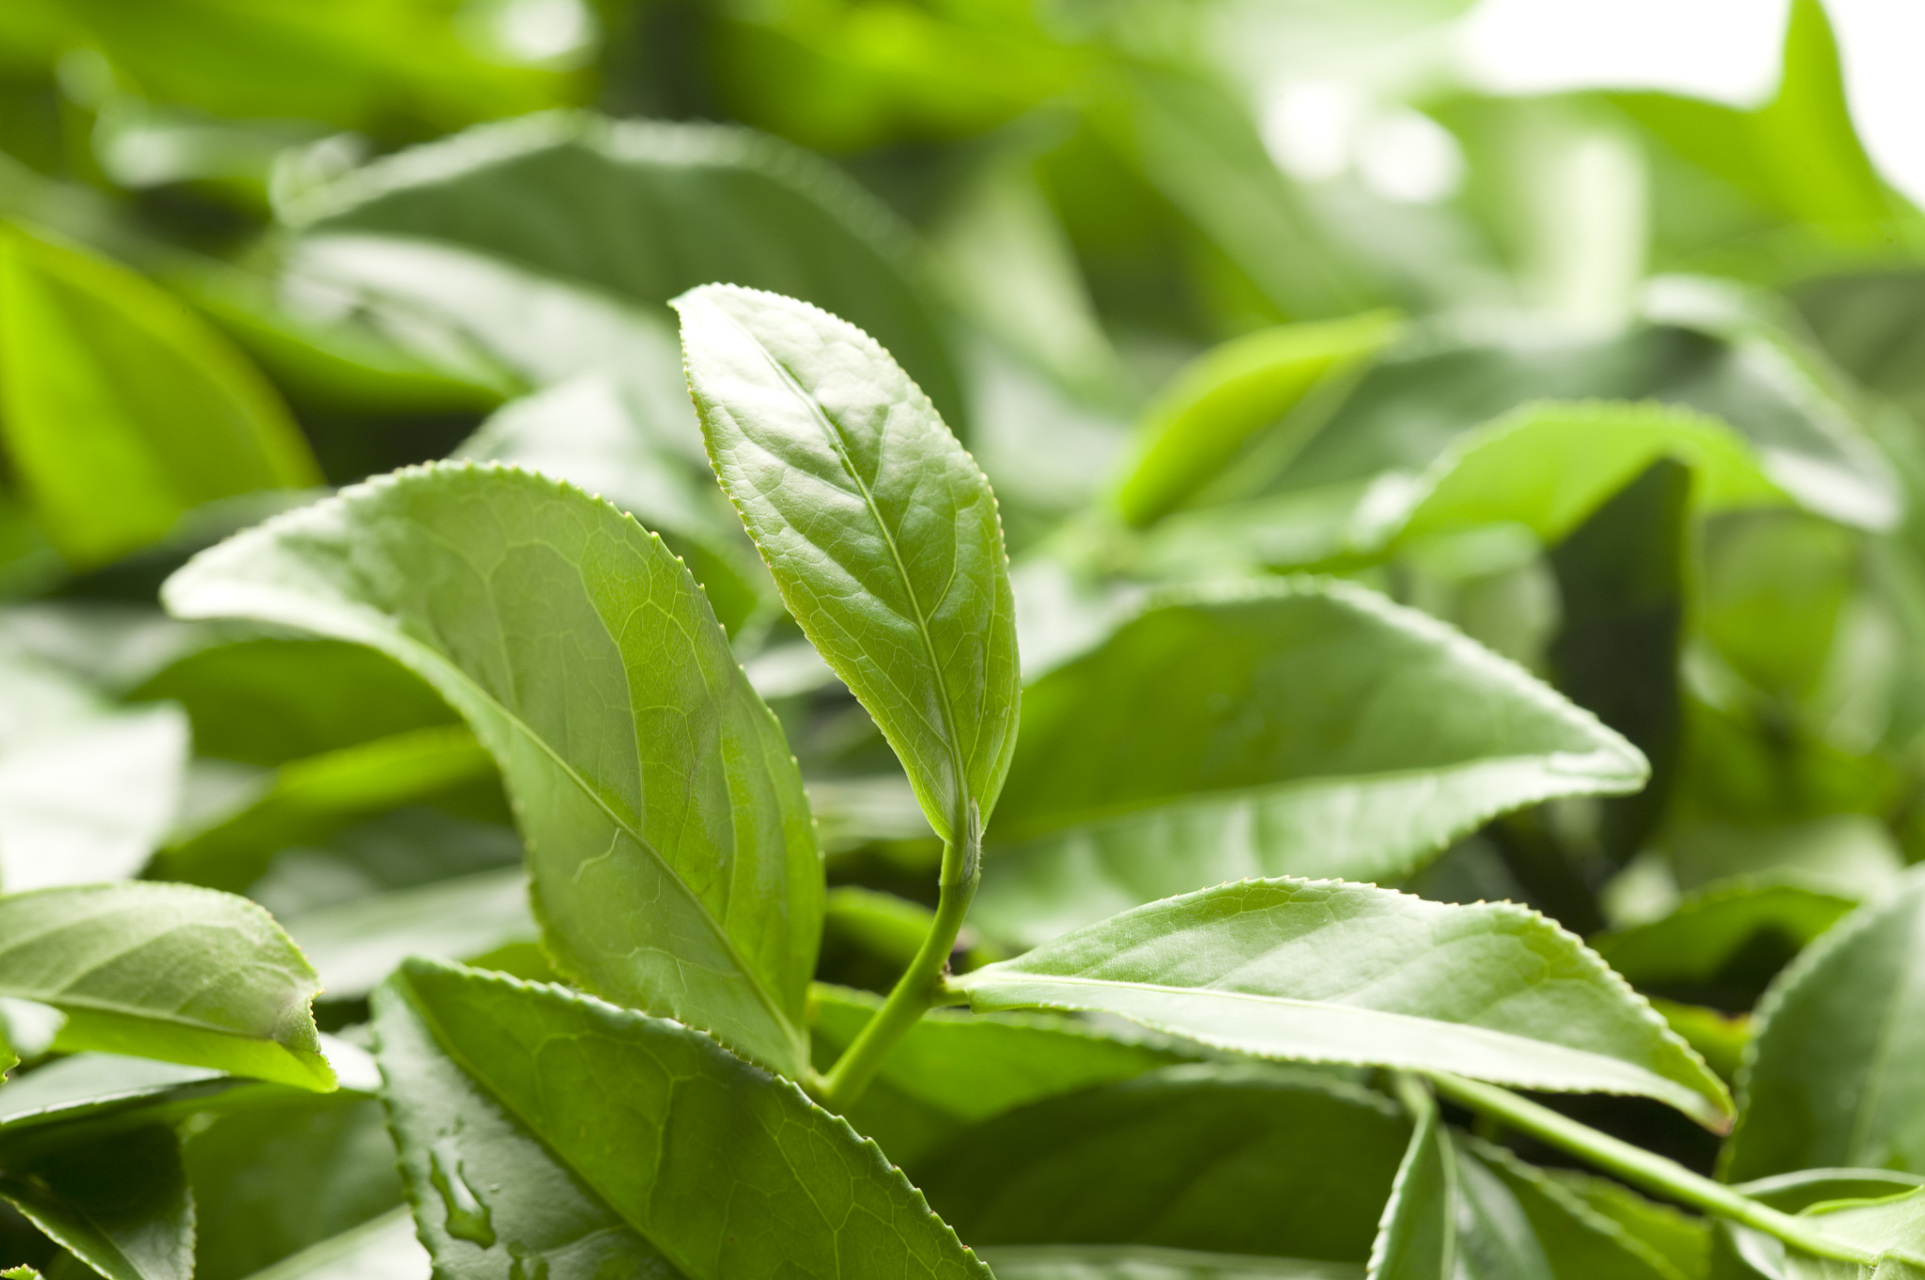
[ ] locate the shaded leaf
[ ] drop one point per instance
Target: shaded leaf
(1148, 1262)
(655, 791)
(1712, 925)
(1324, 971)
(1180, 1154)
(881, 532)
(307, 800)
(166, 971)
(1303, 727)
(117, 1199)
(357, 943)
(512, 1159)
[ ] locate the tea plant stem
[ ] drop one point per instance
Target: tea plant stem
(921, 985)
(1642, 1168)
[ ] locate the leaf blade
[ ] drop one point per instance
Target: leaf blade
(1334, 972)
(881, 532)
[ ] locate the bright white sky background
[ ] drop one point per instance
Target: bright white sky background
(1726, 50)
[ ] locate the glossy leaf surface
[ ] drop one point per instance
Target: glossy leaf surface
(669, 840)
(1303, 728)
(1832, 1078)
(122, 410)
(880, 530)
(1324, 971)
(166, 971)
(541, 1127)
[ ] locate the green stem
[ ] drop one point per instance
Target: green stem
(1642, 1168)
(921, 984)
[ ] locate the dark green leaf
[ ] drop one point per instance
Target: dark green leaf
(122, 410)
(1324, 971)
(273, 1180)
(542, 1128)
(1181, 1155)
(655, 791)
(166, 971)
(1832, 1078)
(1304, 727)
(953, 1070)
(881, 532)
(646, 211)
(116, 1198)
(1711, 926)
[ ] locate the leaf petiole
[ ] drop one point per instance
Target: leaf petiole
(921, 986)
(1643, 1168)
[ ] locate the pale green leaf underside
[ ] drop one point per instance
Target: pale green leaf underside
(166, 971)
(357, 943)
(1305, 727)
(382, 1248)
(570, 1133)
(668, 836)
(880, 530)
(1334, 972)
(1148, 1262)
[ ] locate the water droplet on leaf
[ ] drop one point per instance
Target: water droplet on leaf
(468, 1218)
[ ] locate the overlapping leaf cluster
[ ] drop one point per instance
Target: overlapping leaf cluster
(864, 639)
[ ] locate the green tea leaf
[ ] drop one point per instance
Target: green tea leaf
(645, 210)
(62, 748)
(120, 410)
(1323, 971)
(953, 1070)
(1831, 1080)
(1302, 727)
(1710, 926)
(881, 532)
(307, 800)
(541, 1127)
(1464, 1207)
(116, 1198)
(1223, 399)
(166, 971)
(357, 943)
(272, 700)
(1181, 1155)
(669, 841)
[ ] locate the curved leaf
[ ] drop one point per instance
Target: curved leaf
(1323, 971)
(166, 971)
(1304, 727)
(1832, 1079)
(1710, 926)
(539, 1127)
(669, 840)
(357, 943)
(1222, 400)
(881, 532)
(646, 210)
(116, 1198)
(1149, 1262)
(382, 1248)
(122, 410)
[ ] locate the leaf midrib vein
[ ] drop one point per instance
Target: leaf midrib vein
(834, 436)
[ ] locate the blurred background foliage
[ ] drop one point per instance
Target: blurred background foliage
(1622, 383)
